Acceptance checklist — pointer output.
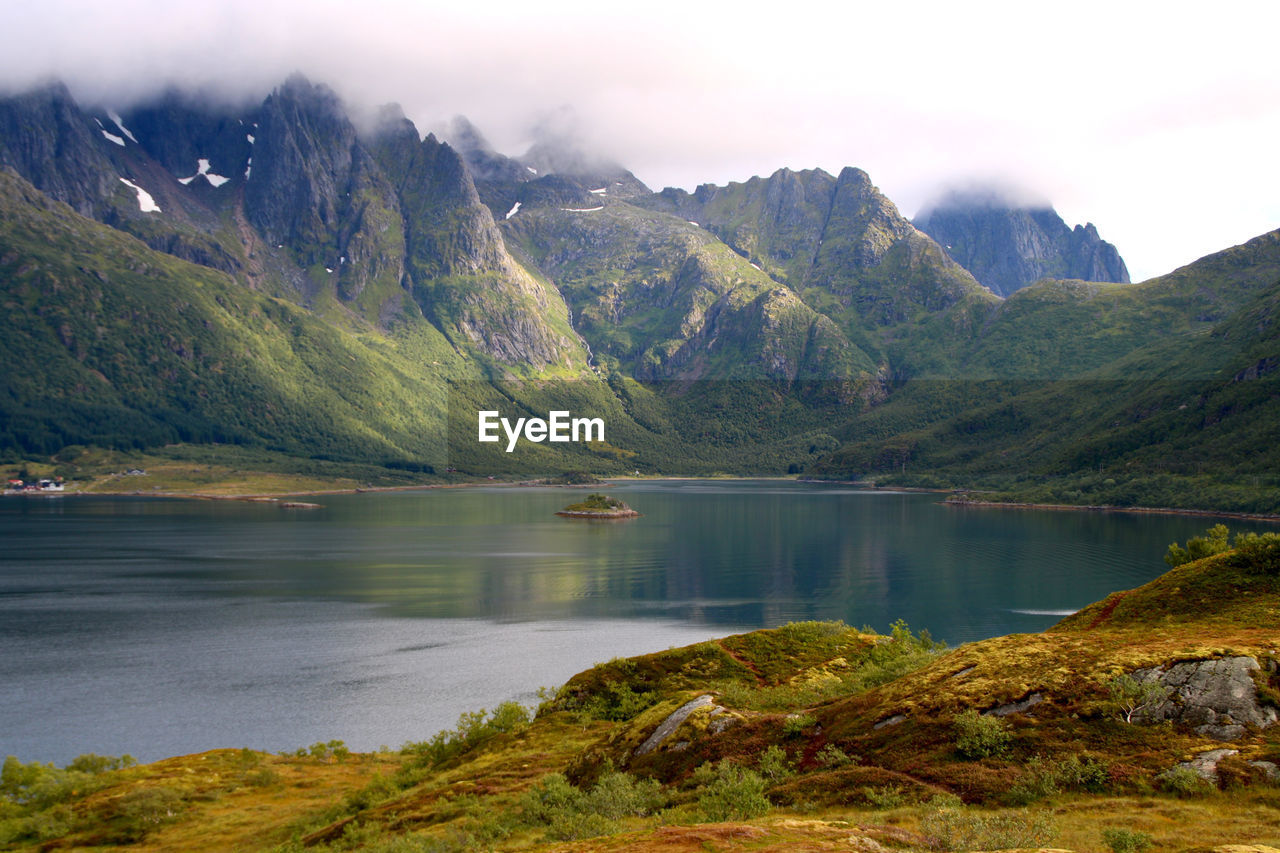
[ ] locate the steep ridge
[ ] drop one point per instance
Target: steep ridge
(46, 138)
(288, 197)
(664, 300)
(844, 248)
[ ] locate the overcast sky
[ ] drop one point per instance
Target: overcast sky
(1158, 122)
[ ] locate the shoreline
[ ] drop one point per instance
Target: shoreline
(285, 499)
(1140, 510)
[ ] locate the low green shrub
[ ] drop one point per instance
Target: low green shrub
(474, 728)
(1043, 778)
(324, 751)
(732, 793)
(1125, 840)
(145, 809)
(93, 763)
(571, 813)
(262, 777)
(885, 796)
(35, 786)
(795, 724)
(1258, 552)
(1253, 551)
(775, 766)
(1129, 696)
(977, 736)
(833, 756)
(1213, 542)
(377, 789)
(1183, 782)
(617, 703)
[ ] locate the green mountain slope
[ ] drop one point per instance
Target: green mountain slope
(109, 342)
(1190, 419)
(663, 299)
(1061, 329)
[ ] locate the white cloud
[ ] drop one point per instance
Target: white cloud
(1149, 119)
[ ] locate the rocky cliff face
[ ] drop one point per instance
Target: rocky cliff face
(302, 168)
(840, 245)
(47, 139)
(179, 131)
(665, 300)
(1007, 247)
(837, 241)
(292, 197)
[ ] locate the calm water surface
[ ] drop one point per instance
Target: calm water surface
(161, 627)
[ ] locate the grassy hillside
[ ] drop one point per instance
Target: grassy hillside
(1189, 420)
(810, 736)
(108, 342)
(663, 299)
(1065, 329)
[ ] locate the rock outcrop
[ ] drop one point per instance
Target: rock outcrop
(1217, 698)
(718, 719)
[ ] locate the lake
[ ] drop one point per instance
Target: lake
(161, 627)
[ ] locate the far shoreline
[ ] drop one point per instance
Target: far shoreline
(1140, 510)
(285, 499)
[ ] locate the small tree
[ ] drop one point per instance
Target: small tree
(1213, 542)
(1258, 552)
(1129, 695)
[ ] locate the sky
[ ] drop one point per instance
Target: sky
(1158, 122)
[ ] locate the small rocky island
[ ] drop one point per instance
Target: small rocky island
(598, 506)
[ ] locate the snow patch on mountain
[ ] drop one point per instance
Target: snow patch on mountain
(146, 203)
(202, 168)
(115, 117)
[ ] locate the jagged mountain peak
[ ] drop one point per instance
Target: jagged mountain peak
(390, 118)
(564, 156)
(298, 85)
(50, 141)
(466, 137)
(1009, 239)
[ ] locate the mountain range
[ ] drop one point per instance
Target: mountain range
(278, 277)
